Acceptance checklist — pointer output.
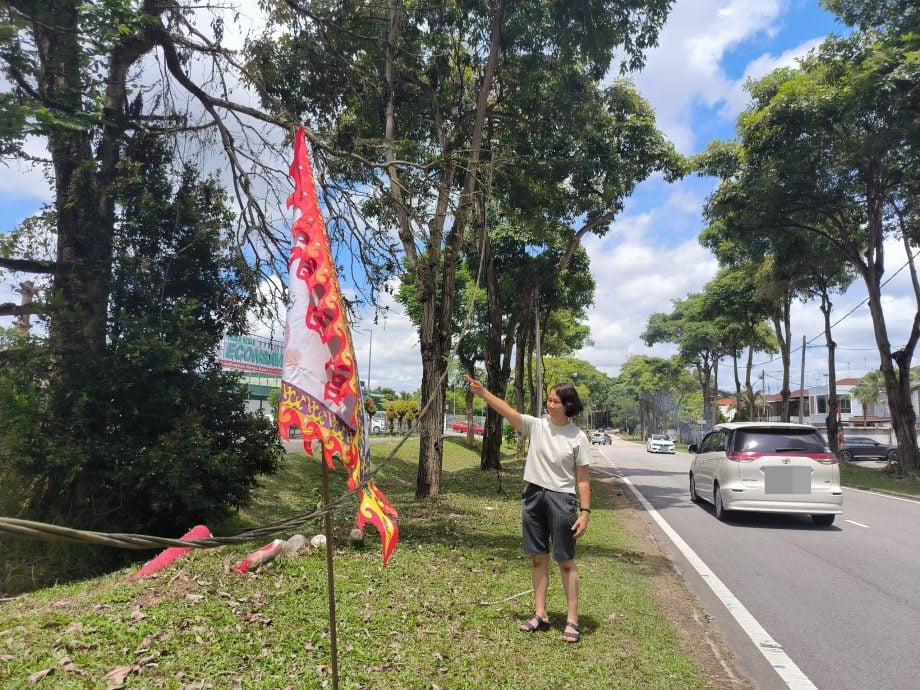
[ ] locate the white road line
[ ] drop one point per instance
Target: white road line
(879, 493)
(858, 524)
(770, 648)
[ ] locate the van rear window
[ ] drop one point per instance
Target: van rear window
(779, 441)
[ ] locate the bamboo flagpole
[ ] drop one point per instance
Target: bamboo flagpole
(330, 582)
(320, 390)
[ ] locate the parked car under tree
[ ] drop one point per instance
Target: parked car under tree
(463, 427)
(864, 447)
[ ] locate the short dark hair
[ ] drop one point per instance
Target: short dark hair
(568, 396)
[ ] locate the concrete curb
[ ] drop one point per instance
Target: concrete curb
(871, 489)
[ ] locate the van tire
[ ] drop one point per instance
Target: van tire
(721, 514)
(694, 497)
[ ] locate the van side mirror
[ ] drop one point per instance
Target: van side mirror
(693, 448)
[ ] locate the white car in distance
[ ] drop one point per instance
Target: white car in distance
(659, 443)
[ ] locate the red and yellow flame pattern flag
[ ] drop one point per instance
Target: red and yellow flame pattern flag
(320, 390)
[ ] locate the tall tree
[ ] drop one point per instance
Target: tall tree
(412, 94)
(867, 391)
(177, 445)
(734, 292)
(657, 384)
(831, 148)
(591, 147)
(693, 326)
(512, 268)
(74, 74)
(801, 261)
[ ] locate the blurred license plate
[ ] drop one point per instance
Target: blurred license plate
(787, 480)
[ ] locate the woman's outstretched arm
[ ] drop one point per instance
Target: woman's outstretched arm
(496, 403)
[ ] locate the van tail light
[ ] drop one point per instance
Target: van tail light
(743, 456)
(750, 456)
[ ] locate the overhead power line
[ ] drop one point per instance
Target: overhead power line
(842, 318)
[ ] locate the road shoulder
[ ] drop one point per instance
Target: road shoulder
(698, 638)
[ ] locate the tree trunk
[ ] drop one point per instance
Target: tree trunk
(897, 383)
(715, 392)
(833, 424)
(703, 375)
(747, 376)
(520, 354)
(737, 382)
(436, 296)
(434, 343)
(81, 283)
(520, 346)
(782, 328)
(431, 437)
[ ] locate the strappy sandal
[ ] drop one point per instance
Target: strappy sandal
(571, 636)
(530, 626)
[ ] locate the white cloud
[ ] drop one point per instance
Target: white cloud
(736, 100)
(22, 180)
(686, 69)
(636, 275)
(388, 352)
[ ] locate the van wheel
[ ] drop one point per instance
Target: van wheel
(693, 496)
(721, 513)
(823, 520)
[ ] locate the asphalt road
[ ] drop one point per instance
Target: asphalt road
(843, 601)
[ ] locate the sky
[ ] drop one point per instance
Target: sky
(694, 80)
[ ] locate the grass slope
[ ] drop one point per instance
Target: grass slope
(443, 614)
(880, 479)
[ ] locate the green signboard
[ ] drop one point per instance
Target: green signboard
(252, 353)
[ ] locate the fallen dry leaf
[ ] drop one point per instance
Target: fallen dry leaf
(38, 675)
(116, 677)
(67, 664)
(77, 644)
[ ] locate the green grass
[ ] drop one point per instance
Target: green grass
(443, 613)
(882, 479)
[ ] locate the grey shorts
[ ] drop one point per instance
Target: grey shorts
(548, 515)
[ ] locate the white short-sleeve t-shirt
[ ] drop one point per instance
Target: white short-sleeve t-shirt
(553, 454)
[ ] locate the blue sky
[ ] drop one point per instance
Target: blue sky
(694, 80)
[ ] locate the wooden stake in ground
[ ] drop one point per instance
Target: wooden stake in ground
(330, 580)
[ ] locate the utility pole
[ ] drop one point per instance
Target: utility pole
(763, 396)
(802, 386)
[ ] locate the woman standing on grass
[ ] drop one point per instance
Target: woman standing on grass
(556, 475)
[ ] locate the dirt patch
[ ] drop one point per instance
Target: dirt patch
(698, 639)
